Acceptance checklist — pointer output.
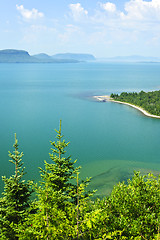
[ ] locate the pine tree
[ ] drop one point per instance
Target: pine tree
(62, 201)
(15, 202)
(55, 194)
(57, 175)
(59, 205)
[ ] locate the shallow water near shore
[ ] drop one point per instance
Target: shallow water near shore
(106, 174)
(109, 140)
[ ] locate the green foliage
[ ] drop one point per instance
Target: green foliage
(149, 101)
(15, 203)
(62, 201)
(135, 207)
(132, 211)
(57, 176)
(63, 209)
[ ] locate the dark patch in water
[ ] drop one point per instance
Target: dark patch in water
(104, 173)
(125, 175)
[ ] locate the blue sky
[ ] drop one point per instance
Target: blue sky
(103, 28)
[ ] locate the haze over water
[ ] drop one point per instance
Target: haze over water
(109, 140)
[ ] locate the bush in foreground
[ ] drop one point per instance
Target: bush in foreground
(64, 209)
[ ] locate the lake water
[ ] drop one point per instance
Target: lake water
(109, 140)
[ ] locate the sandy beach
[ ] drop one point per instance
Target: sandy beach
(106, 98)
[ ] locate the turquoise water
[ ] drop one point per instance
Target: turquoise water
(108, 139)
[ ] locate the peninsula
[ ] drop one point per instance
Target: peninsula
(21, 56)
(146, 102)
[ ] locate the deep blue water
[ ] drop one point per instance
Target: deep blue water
(108, 139)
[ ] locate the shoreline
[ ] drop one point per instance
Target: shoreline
(106, 98)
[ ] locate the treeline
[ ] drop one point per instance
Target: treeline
(150, 101)
(60, 207)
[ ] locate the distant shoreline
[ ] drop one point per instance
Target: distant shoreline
(108, 98)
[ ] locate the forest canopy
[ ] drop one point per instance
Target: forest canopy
(149, 101)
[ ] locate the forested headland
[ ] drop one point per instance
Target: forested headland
(61, 207)
(149, 101)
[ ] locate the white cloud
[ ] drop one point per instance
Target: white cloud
(137, 23)
(138, 15)
(135, 11)
(70, 31)
(109, 7)
(77, 11)
(142, 10)
(32, 33)
(29, 14)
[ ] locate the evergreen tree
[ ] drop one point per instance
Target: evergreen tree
(60, 197)
(15, 202)
(55, 194)
(57, 175)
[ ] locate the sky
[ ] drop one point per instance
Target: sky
(99, 27)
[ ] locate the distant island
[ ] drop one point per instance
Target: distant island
(146, 102)
(77, 56)
(131, 59)
(21, 56)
